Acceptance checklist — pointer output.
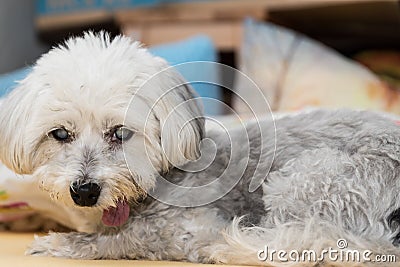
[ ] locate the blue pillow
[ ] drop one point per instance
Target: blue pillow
(197, 48)
(8, 81)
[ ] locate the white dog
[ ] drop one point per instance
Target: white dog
(114, 136)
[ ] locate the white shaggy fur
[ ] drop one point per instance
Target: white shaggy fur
(87, 98)
(334, 174)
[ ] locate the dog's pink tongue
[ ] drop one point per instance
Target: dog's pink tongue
(116, 216)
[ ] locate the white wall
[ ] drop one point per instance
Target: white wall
(19, 45)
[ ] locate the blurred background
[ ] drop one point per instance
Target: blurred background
(300, 53)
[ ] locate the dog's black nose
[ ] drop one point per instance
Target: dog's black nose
(85, 195)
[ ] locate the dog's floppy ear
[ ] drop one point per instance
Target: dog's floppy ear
(180, 115)
(16, 111)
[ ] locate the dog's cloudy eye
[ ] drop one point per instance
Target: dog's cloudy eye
(122, 134)
(60, 134)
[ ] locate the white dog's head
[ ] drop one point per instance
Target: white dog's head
(66, 122)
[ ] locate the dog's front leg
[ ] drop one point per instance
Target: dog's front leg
(177, 237)
(142, 239)
(87, 246)
(66, 245)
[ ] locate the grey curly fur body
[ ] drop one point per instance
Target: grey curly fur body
(334, 175)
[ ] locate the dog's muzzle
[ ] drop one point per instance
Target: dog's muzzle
(85, 195)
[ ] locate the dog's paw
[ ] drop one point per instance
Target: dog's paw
(41, 246)
(65, 245)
